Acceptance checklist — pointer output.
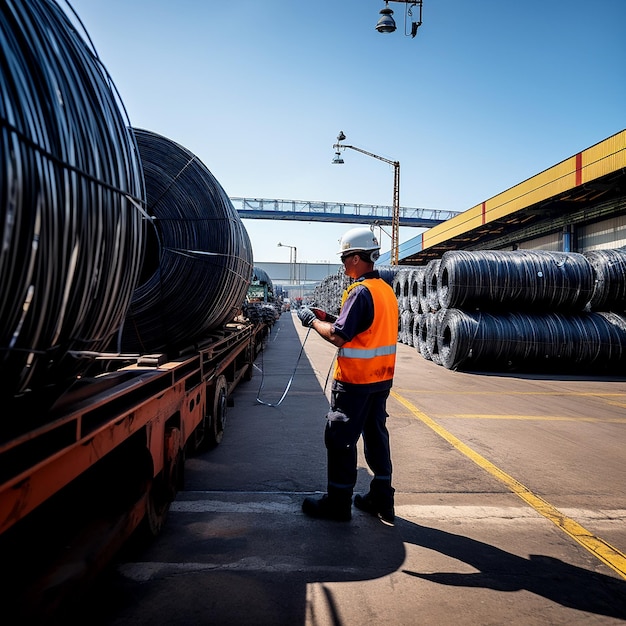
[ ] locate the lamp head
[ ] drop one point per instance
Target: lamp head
(386, 23)
(337, 160)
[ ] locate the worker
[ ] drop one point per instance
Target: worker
(366, 333)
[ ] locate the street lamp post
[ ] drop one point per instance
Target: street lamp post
(395, 218)
(293, 261)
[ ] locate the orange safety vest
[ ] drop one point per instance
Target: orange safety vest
(370, 357)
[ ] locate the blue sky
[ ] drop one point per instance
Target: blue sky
(489, 93)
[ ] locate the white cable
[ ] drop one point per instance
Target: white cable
(290, 379)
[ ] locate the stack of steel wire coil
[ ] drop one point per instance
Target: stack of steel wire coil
(70, 189)
(521, 280)
(525, 310)
(554, 341)
(327, 295)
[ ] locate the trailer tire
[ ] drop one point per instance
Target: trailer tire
(157, 502)
(157, 509)
(218, 417)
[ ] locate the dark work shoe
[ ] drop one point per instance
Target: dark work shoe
(324, 508)
(365, 503)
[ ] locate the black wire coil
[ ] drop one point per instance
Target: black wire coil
(610, 271)
(416, 288)
(400, 286)
(430, 299)
(199, 260)
(70, 185)
(261, 277)
(406, 322)
(528, 280)
(327, 295)
(388, 273)
(531, 341)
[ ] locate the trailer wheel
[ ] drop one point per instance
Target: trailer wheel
(157, 501)
(157, 508)
(219, 410)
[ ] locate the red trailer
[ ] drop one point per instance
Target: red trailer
(107, 460)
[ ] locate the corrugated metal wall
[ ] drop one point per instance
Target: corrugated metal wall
(551, 243)
(602, 235)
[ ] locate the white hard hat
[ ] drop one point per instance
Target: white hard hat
(358, 239)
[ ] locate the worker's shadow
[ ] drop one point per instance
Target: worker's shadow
(560, 582)
(494, 568)
(342, 553)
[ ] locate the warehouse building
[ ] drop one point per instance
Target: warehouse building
(577, 205)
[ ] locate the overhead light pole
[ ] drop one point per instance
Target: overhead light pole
(293, 260)
(395, 217)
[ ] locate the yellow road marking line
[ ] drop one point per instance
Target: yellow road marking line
(469, 392)
(622, 404)
(547, 418)
(609, 555)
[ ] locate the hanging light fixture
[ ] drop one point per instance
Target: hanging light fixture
(338, 160)
(386, 23)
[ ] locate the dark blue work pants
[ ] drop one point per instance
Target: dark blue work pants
(354, 413)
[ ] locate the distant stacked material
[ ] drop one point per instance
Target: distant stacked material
(327, 295)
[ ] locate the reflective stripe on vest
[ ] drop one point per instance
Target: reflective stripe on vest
(364, 353)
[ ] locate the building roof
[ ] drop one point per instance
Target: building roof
(584, 188)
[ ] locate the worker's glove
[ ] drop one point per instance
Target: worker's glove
(307, 317)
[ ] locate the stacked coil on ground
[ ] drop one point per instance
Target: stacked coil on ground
(327, 295)
(523, 310)
(198, 262)
(539, 341)
(528, 280)
(610, 288)
(70, 188)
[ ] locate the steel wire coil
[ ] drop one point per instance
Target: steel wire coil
(417, 329)
(433, 319)
(260, 276)
(419, 341)
(399, 286)
(71, 192)
(609, 292)
(430, 299)
(523, 341)
(528, 280)
(199, 263)
(327, 295)
(405, 332)
(416, 288)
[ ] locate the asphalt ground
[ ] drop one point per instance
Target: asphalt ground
(510, 504)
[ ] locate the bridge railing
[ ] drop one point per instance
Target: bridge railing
(307, 210)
